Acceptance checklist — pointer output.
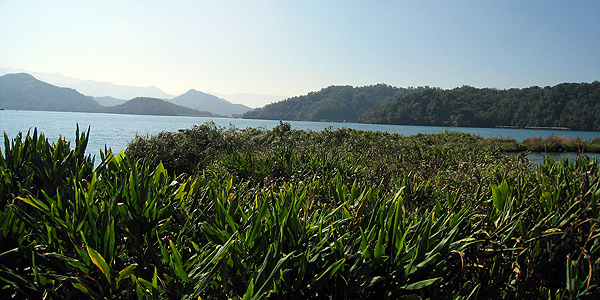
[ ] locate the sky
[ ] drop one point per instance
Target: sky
(291, 48)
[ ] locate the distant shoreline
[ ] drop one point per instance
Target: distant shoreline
(533, 127)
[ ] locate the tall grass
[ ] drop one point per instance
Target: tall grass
(286, 214)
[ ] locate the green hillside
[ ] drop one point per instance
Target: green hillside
(153, 106)
(23, 91)
(334, 104)
(572, 105)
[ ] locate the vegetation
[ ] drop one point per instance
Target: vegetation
(23, 91)
(551, 144)
(571, 105)
(287, 214)
(334, 104)
(153, 106)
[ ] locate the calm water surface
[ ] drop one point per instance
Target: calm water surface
(116, 131)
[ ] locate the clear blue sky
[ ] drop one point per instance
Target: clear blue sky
(294, 47)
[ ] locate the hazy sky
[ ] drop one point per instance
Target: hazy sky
(294, 47)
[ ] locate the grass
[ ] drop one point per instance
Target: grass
(218, 213)
(550, 144)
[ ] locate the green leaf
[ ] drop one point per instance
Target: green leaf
(422, 284)
(496, 196)
(155, 290)
(379, 248)
(159, 173)
(177, 263)
(35, 203)
(81, 287)
(125, 273)
(268, 282)
(99, 261)
(250, 291)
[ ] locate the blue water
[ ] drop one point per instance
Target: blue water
(538, 158)
(116, 130)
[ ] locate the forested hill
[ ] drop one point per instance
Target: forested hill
(572, 105)
(207, 102)
(23, 91)
(334, 103)
(153, 106)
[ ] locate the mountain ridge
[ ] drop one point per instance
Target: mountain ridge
(574, 106)
(91, 87)
(24, 91)
(155, 106)
(336, 103)
(108, 101)
(247, 99)
(207, 102)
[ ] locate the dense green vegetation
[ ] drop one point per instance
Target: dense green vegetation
(571, 105)
(287, 214)
(153, 106)
(23, 91)
(334, 104)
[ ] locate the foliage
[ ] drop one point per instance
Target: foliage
(153, 106)
(552, 143)
(334, 104)
(288, 214)
(23, 91)
(571, 105)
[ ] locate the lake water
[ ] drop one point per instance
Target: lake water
(537, 158)
(117, 130)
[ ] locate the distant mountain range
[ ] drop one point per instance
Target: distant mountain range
(203, 101)
(94, 88)
(98, 89)
(251, 100)
(108, 101)
(568, 105)
(90, 87)
(154, 106)
(24, 92)
(192, 99)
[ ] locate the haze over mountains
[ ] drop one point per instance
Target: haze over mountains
(94, 88)
(155, 106)
(573, 106)
(203, 101)
(108, 101)
(98, 89)
(24, 92)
